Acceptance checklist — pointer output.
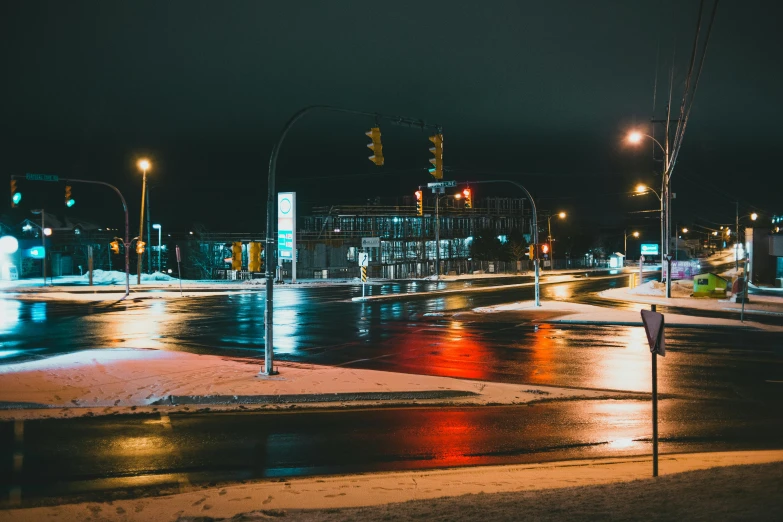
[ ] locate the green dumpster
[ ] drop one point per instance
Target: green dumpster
(709, 285)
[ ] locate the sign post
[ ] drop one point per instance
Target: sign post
(179, 270)
(364, 260)
(89, 262)
(286, 230)
(641, 269)
(653, 327)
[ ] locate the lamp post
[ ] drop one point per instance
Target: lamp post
(561, 215)
(635, 137)
(144, 165)
(625, 243)
(534, 229)
(160, 233)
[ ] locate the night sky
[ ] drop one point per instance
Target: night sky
(542, 92)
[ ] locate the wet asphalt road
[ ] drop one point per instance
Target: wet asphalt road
(111, 457)
(723, 389)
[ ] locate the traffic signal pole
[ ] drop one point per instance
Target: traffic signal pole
(536, 261)
(127, 223)
(271, 244)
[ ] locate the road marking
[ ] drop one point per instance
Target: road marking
(19, 431)
(15, 492)
(774, 381)
(182, 478)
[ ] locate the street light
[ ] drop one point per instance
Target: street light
(144, 165)
(160, 233)
(561, 215)
(625, 247)
(685, 230)
(635, 137)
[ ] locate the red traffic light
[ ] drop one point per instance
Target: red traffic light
(418, 194)
(545, 248)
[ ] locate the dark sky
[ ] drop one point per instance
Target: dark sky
(541, 91)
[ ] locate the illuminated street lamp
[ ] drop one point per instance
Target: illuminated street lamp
(754, 216)
(625, 246)
(685, 230)
(144, 165)
(561, 215)
(635, 137)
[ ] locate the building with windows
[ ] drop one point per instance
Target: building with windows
(329, 239)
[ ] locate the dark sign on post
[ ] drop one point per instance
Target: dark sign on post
(653, 326)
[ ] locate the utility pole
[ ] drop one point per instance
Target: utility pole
(437, 238)
(736, 231)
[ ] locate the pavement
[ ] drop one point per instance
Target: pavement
(270, 498)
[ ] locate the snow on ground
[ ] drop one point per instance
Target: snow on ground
(267, 499)
(656, 288)
(577, 313)
(124, 378)
(757, 305)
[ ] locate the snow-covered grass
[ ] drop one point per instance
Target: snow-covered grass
(742, 485)
(656, 288)
(112, 379)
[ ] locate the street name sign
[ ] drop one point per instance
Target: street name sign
(41, 177)
(371, 242)
(653, 327)
(442, 184)
(364, 259)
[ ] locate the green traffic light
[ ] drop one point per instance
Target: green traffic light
(17, 198)
(70, 202)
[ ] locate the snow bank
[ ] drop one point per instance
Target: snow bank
(108, 277)
(656, 288)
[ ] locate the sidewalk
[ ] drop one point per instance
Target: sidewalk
(623, 484)
(111, 381)
(564, 312)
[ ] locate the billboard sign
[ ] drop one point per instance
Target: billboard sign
(650, 249)
(286, 225)
(683, 269)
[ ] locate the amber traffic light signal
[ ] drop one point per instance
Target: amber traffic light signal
(437, 161)
(69, 201)
(544, 248)
(140, 247)
(115, 247)
(375, 146)
(16, 196)
(419, 203)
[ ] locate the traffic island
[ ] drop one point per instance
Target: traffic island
(125, 380)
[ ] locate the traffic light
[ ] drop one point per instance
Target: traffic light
(140, 247)
(544, 248)
(115, 247)
(437, 162)
(419, 203)
(375, 146)
(531, 252)
(16, 196)
(236, 255)
(468, 195)
(69, 201)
